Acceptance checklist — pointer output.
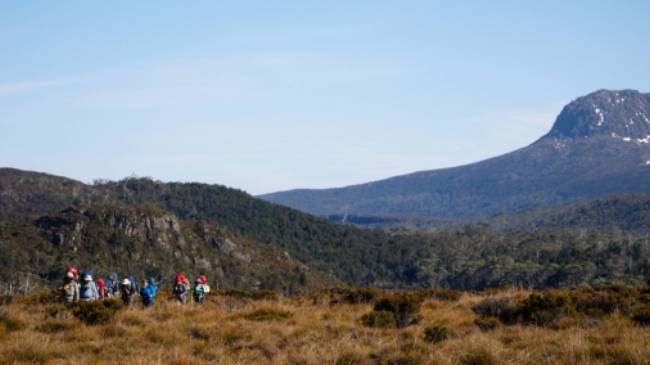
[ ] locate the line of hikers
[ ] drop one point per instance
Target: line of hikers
(87, 289)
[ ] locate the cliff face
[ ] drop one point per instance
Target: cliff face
(625, 114)
(143, 241)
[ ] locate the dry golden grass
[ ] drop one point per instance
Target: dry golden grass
(302, 330)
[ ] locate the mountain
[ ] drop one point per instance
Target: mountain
(599, 145)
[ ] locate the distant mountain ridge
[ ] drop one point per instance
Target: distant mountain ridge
(598, 145)
(629, 213)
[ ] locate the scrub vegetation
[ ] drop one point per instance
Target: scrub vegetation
(604, 325)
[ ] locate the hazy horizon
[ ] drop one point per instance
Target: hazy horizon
(269, 97)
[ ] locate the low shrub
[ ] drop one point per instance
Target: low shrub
(46, 297)
(642, 315)
(97, 312)
(502, 308)
(267, 314)
(359, 296)
(564, 308)
(441, 294)
(57, 311)
(404, 307)
(435, 333)
(605, 300)
(542, 309)
(379, 319)
(487, 323)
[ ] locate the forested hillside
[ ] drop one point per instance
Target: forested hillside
(472, 257)
(627, 213)
(142, 241)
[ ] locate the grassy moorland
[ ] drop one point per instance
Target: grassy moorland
(589, 326)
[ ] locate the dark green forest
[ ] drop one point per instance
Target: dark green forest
(471, 257)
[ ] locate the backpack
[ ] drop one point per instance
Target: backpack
(180, 289)
(134, 284)
(152, 285)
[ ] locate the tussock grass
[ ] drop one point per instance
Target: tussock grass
(451, 329)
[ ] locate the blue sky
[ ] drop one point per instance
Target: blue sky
(267, 96)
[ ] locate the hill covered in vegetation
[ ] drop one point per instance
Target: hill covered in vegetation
(142, 240)
(626, 213)
(472, 257)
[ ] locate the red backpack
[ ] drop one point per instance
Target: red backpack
(180, 278)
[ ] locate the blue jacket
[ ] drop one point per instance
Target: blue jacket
(148, 292)
(88, 291)
(152, 284)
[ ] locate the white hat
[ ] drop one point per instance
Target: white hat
(126, 282)
(88, 278)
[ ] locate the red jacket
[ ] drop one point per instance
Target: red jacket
(101, 288)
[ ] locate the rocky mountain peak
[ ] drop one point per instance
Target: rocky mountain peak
(622, 115)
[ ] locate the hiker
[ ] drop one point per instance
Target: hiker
(134, 284)
(181, 288)
(88, 291)
(201, 289)
(127, 292)
(113, 285)
(70, 290)
(153, 285)
(148, 293)
(101, 288)
(74, 272)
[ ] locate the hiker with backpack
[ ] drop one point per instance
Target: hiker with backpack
(153, 285)
(88, 290)
(112, 285)
(127, 292)
(201, 289)
(74, 272)
(148, 293)
(101, 288)
(134, 284)
(70, 289)
(181, 287)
